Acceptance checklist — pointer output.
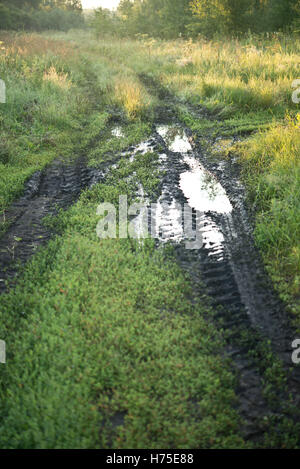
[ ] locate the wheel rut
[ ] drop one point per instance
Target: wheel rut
(56, 187)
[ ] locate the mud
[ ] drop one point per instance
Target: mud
(56, 187)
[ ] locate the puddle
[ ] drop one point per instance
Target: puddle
(117, 132)
(213, 239)
(144, 147)
(175, 138)
(202, 190)
(167, 219)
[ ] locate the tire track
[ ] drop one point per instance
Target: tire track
(58, 186)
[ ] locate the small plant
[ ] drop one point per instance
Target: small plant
(130, 94)
(59, 79)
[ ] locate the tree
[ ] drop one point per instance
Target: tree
(175, 16)
(125, 8)
(74, 5)
(162, 18)
(223, 16)
(22, 3)
(280, 14)
(103, 22)
(233, 16)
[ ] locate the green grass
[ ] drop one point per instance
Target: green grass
(103, 145)
(59, 100)
(91, 339)
(272, 171)
(43, 113)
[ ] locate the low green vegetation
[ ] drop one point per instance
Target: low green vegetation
(104, 346)
(56, 105)
(106, 351)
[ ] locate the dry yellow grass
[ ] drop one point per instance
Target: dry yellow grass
(59, 79)
(131, 95)
(278, 147)
(256, 76)
(33, 44)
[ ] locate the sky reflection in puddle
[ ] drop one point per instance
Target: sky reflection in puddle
(117, 132)
(202, 190)
(175, 138)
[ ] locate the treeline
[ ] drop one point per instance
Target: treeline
(173, 18)
(39, 15)
(158, 18)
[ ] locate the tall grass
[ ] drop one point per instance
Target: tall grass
(272, 167)
(43, 109)
(130, 94)
(234, 76)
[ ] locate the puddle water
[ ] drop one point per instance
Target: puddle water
(144, 147)
(175, 138)
(212, 238)
(167, 219)
(202, 190)
(117, 132)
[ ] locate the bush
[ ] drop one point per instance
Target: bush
(58, 19)
(12, 18)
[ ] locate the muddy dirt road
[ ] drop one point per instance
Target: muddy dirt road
(226, 262)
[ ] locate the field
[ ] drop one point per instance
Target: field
(110, 344)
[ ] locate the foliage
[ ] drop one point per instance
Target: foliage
(236, 16)
(104, 22)
(182, 18)
(20, 15)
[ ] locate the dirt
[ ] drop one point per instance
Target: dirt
(56, 187)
